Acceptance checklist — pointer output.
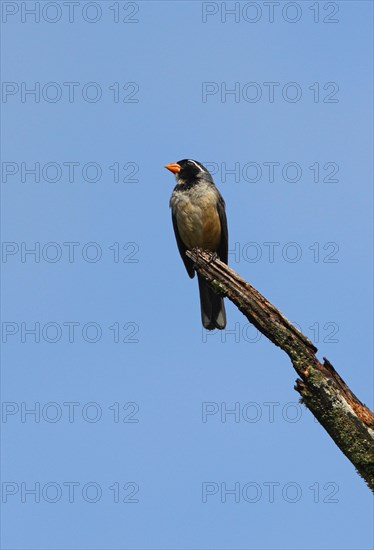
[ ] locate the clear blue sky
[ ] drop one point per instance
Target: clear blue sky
(131, 396)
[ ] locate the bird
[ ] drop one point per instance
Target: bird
(199, 221)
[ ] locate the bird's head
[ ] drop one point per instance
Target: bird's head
(188, 170)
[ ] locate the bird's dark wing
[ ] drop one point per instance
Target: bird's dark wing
(223, 248)
(182, 249)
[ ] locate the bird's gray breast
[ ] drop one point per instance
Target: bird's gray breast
(196, 214)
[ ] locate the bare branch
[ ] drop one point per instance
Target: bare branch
(322, 390)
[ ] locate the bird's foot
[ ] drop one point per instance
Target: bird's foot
(213, 256)
(196, 251)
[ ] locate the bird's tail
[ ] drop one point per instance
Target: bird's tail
(213, 314)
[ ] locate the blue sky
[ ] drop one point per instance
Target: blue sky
(131, 443)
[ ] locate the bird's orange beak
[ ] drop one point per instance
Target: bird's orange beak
(173, 167)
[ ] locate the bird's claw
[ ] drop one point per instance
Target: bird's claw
(213, 256)
(198, 251)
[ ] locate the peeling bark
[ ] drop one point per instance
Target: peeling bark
(348, 421)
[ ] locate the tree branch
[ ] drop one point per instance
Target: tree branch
(322, 390)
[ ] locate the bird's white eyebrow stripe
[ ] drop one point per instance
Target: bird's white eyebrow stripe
(199, 167)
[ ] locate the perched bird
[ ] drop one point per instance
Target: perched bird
(199, 221)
